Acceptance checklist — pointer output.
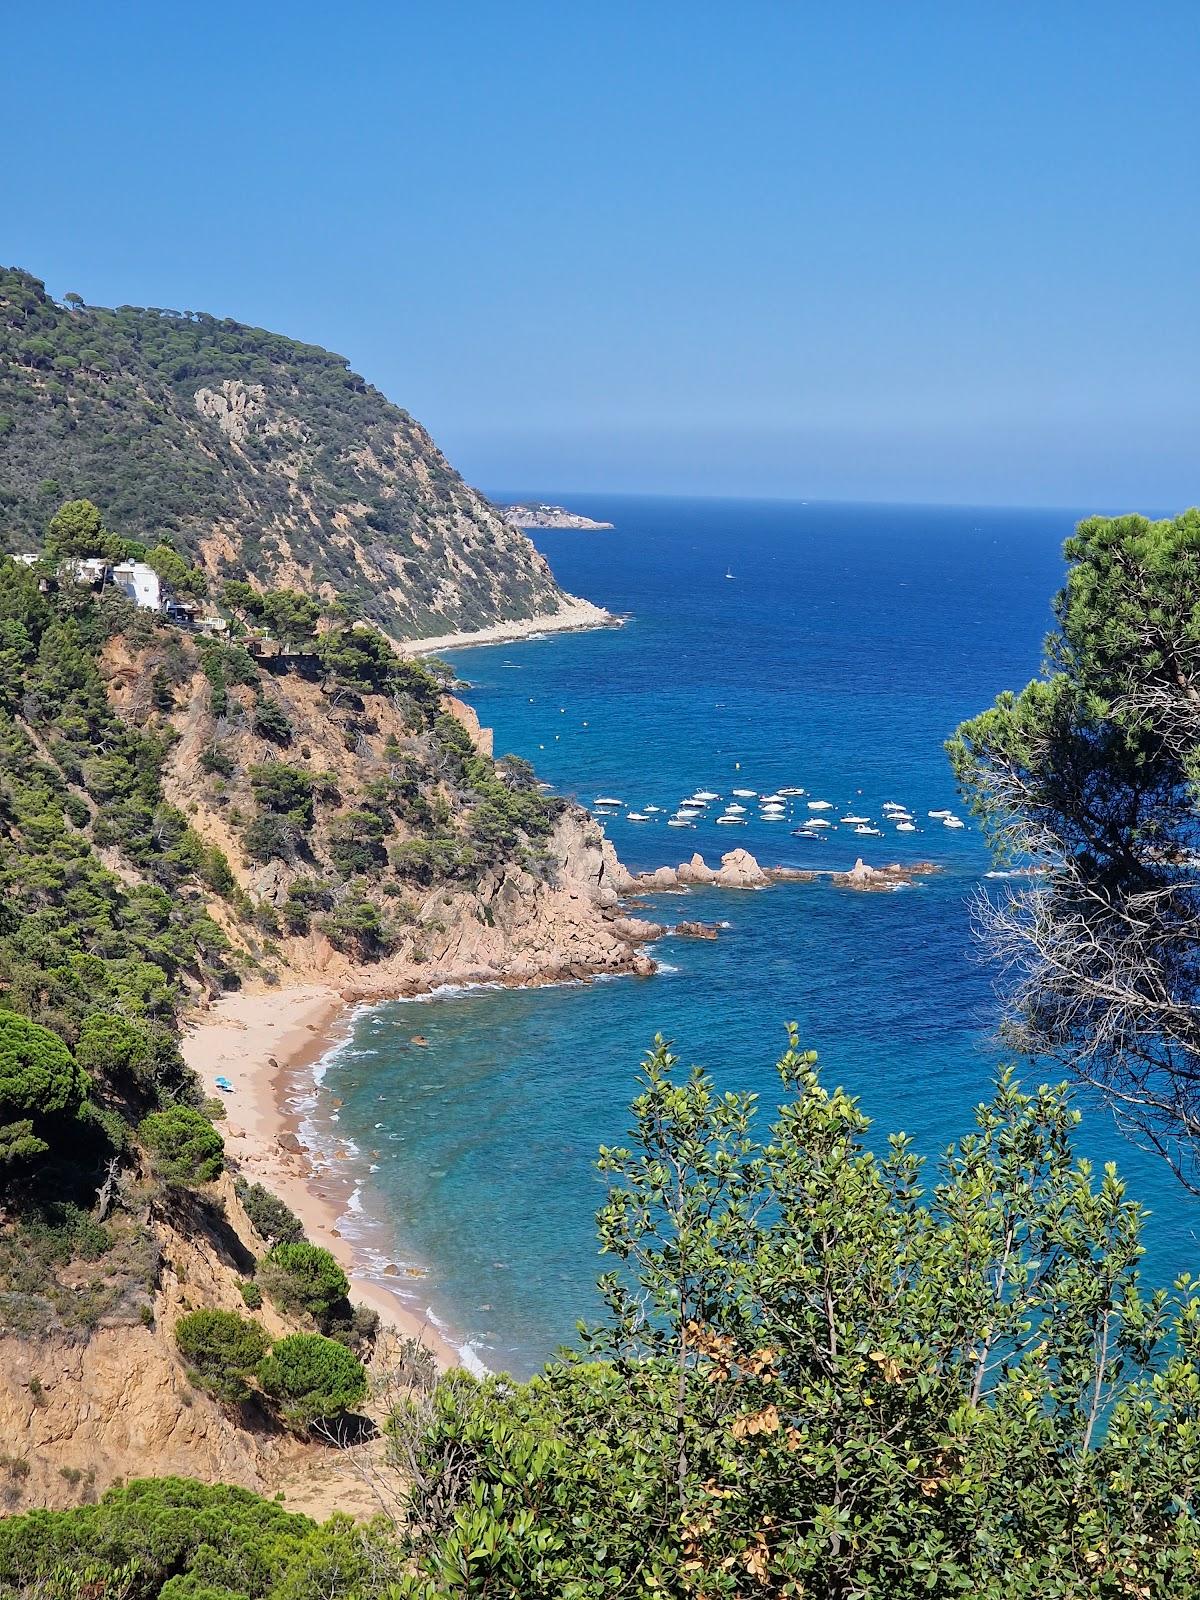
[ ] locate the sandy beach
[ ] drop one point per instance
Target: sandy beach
(572, 617)
(266, 1044)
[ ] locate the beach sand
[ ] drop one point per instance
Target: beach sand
(571, 617)
(267, 1044)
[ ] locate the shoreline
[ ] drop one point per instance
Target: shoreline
(268, 1043)
(574, 616)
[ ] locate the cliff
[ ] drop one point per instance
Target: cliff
(257, 456)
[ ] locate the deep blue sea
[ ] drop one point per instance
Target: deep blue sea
(847, 645)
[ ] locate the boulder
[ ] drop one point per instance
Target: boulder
(636, 930)
(696, 930)
(696, 870)
(739, 870)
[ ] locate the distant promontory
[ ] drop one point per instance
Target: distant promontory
(536, 515)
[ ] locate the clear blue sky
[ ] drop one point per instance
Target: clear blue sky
(883, 251)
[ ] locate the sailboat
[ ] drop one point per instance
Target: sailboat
(728, 574)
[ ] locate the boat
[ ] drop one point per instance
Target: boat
(731, 822)
(853, 818)
(891, 805)
(728, 574)
(791, 791)
(653, 808)
(679, 822)
(820, 805)
(953, 822)
(873, 833)
(906, 827)
(637, 816)
(746, 794)
(773, 816)
(606, 800)
(939, 814)
(771, 811)
(819, 822)
(735, 811)
(706, 795)
(805, 833)
(772, 799)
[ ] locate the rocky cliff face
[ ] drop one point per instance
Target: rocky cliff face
(78, 1413)
(539, 913)
(258, 456)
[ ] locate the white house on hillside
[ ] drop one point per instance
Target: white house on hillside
(140, 583)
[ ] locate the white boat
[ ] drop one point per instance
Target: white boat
(706, 795)
(728, 574)
(791, 791)
(735, 811)
(805, 833)
(853, 818)
(606, 800)
(772, 799)
(906, 827)
(819, 822)
(746, 794)
(890, 805)
(653, 808)
(773, 816)
(772, 811)
(873, 833)
(939, 814)
(820, 805)
(680, 822)
(731, 822)
(637, 816)
(953, 822)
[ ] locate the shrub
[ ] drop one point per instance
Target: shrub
(267, 1212)
(222, 1351)
(304, 1277)
(270, 721)
(271, 837)
(279, 787)
(312, 1378)
(40, 1082)
(184, 1144)
(251, 1294)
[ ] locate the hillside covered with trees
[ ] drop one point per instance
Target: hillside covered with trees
(256, 455)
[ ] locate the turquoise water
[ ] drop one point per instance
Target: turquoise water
(850, 641)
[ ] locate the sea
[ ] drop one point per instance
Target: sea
(765, 645)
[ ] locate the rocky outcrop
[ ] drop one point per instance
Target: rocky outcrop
(738, 870)
(545, 516)
(874, 880)
(695, 930)
(480, 737)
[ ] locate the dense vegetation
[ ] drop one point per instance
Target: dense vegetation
(115, 912)
(826, 1372)
(250, 451)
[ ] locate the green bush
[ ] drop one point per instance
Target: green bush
(273, 1220)
(222, 1351)
(304, 1277)
(314, 1379)
(40, 1083)
(185, 1146)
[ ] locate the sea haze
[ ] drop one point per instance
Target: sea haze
(847, 645)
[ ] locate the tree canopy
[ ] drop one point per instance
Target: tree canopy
(1090, 775)
(40, 1085)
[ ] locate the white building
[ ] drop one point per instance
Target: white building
(140, 583)
(87, 570)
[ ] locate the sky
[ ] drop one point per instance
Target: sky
(874, 251)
